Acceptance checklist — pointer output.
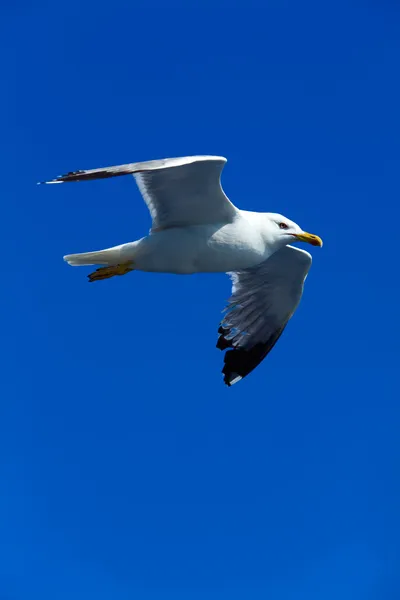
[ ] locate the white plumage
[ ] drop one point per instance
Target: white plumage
(195, 228)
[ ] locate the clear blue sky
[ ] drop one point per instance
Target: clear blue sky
(128, 470)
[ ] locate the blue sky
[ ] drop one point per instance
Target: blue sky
(128, 470)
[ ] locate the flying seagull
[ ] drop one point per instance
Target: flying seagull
(195, 228)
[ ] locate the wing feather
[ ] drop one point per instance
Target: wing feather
(263, 300)
(178, 191)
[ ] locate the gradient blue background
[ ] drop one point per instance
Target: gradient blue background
(128, 470)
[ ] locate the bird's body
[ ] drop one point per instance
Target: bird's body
(222, 248)
(215, 248)
(197, 229)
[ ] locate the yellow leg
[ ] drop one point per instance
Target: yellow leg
(111, 271)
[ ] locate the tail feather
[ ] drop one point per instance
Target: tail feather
(111, 256)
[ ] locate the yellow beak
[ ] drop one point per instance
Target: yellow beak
(314, 240)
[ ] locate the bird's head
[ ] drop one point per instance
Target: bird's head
(284, 231)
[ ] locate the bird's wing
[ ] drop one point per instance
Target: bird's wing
(177, 191)
(263, 300)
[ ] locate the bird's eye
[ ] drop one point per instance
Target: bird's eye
(283, 226)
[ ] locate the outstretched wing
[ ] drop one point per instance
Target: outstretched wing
(263, 300)
(178, 191)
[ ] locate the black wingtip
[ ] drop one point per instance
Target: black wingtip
(71, 176)
(239, 362)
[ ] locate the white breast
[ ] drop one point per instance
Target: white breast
(204, 248)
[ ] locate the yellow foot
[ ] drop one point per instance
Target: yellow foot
(107, 272)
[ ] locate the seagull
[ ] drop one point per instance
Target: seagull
(196, 228)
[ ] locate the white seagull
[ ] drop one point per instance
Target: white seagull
(195, 228)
